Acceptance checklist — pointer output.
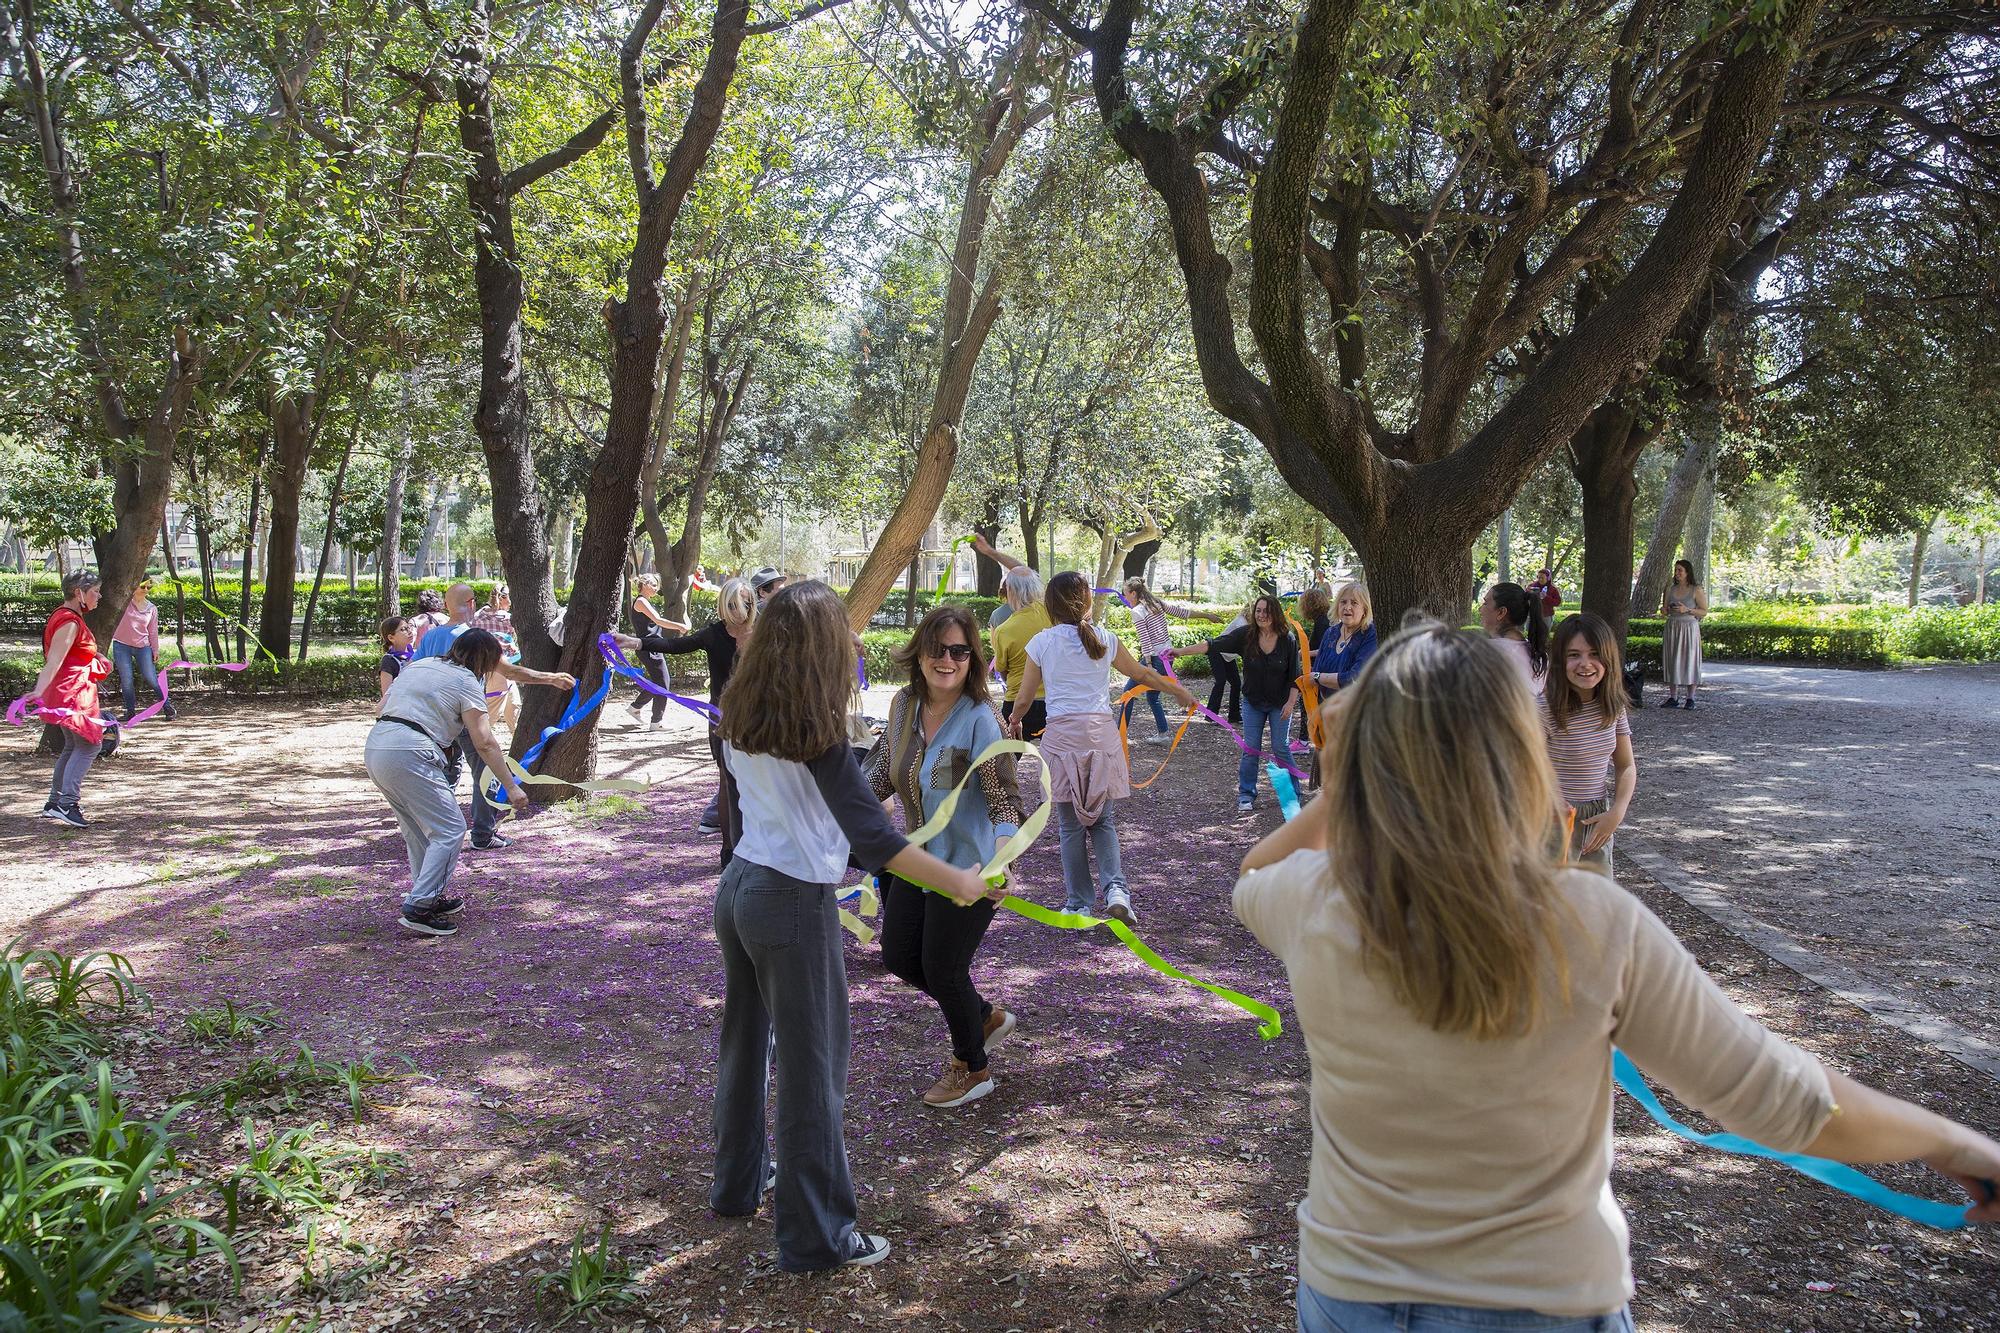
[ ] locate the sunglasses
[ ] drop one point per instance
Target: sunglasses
(957, 652)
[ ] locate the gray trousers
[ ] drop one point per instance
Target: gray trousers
(1599, 860)
(484, 817)
(1102, 838)
(427, 811)
(66, 786)
(785, 977)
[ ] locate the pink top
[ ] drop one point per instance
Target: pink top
(139, 627)
(1582, 751)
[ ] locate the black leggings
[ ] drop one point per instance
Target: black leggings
(1226, 677)
(1032, 721)
(655, 667)
(928, 940)
(728, 814)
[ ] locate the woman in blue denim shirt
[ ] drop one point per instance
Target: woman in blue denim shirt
(938, 724)
(1349, 643)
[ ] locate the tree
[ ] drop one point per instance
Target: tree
(1444, 134)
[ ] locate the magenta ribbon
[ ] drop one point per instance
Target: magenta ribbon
(614, 657)
(1245, 746)
(17, 712)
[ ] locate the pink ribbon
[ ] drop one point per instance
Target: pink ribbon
(17, 712)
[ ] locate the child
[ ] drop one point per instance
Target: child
(1512, 617)
(1583, 716)
(1086, 763)
(1149, 622)
(938, 724)
(805, 805)
(396, 637)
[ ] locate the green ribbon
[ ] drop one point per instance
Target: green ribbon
(950, 564)
(1269, 1024)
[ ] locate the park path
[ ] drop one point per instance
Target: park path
(1852, 811)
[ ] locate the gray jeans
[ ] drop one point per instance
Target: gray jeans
(785, 977)
(66, 787)
(427, 811)
(1599, 860)
(1103, 838)
(484, 816)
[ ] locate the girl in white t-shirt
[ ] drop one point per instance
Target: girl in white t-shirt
(1080, 746)
(1512, 617)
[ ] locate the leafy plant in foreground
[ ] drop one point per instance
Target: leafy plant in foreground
(596, 1279)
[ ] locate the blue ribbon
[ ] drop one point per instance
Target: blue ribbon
(615, 660)
(1281, 783)
(577, 709)
(1925, 1212)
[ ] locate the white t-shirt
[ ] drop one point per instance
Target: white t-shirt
(1074, 683)
(1517, 653)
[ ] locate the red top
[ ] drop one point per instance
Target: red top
(70, 701)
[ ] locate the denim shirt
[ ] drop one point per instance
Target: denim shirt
(1330, 660)
(971, 836)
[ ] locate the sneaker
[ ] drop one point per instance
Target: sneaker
(771, 1178)
(999, 1024)
(1244, 805)
(49, 810)
(72, 815)
(1689, 704)
(1671, 702)
(1159, 738)
(652, 724)
(492, 844)
(428, 923)
(1080, 909)
(958, 1085)
(708, 830)
(868, 1251)
(168, 714)
(448, 907)
(1118, 906)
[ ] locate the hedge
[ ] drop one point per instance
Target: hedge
(1727, 640)
(1954, 633)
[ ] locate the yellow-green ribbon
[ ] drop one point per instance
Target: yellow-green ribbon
(525, 778)
(950, 567)
(1269, 1024)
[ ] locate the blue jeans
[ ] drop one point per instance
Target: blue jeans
(485, 818)
(1102, 836)
(1324, 1314)
(124, 656)
(1256, 718)
(426, 809)
(1152, 697)
(784, 1001)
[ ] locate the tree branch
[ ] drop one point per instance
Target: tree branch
(578, 145)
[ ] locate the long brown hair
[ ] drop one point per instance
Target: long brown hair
(927, 642)
(477, 650)
(1068, 599)
(1443, 833)
(792, 686)
(1564, 698)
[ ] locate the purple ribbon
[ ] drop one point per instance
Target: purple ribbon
(17, 712)
(614, 657)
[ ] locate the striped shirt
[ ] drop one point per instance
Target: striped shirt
(1581, 752)
(1150, 623)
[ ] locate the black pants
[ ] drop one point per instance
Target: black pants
(1032, 721)
(655, 667)
(728, 813)
(1229, 678)
(928, 940)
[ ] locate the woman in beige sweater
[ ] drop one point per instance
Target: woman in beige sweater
(1460, 996)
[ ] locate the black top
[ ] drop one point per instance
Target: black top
(713, 638)
(390, 665)
(1267, 677)
(1317, 631)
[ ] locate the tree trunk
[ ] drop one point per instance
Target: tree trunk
(969, 311)
(1031, 540)
(684, 553)
(1979, 597)
(1701, 523)
(638, 327)
(389, 558)
(421, 561)
(1917, 553)
(250, 548)
(333, 511)
(1704, 432)
(988, 573)
(291, 432)
(1601, 461)
(566, 548)
(1142, 554)
(674, 589)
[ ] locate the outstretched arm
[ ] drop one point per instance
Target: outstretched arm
(993, 553)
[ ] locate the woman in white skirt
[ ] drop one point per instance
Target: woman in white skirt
(1684, 607)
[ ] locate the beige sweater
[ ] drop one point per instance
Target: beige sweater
(1462, 1172)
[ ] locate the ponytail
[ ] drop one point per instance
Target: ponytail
(1524, 612)
(1068, 601)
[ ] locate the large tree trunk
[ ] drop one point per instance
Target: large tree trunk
(1704, 432)
(141, 486)
(638, 327)
(684, 553)
(1921, 548)
(291, 434)
(987, 573)
(1603, 457)
(1141, 555)
(970, 308)
(1701, 523)
(333, 496)
(1031, 540)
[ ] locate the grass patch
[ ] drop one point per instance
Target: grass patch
(287, 1083)
(227, 1023)
(605, 808)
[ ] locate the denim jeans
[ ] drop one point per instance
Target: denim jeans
(1152, 696)
(784, 977)
(427, 811)
(1102, 836)
(1256, 718)
(124, 656)
(1324, 1314)
(485, 818)
(1599, 860)
(72, 763)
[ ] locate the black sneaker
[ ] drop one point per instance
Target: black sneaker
(1688, 704)
(72, 815)
(868, 1250)
(492, 844)
(1671, 702)
(448, 907)
(50, 810)
(709, 830)
(429, 923)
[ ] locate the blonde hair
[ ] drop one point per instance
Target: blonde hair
(641, 582)
(1360, 592)
(736, 604)
(792, 686)
(1068, 599)
(1443, 831)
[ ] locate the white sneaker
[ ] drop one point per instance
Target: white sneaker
(1118, 906)
(1159, 738)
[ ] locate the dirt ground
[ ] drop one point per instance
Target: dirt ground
(1136, 1169)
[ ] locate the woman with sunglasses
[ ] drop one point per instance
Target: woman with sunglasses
(938, 724)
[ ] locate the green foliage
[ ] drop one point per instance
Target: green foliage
(596, 1280)
(296, 1170)
(227, 1023)
(279, 1083)
(1750, 641)
(1953, 633)
(49, 499)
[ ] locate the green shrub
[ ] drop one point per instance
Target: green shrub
(1952, 633)
(1726, 640)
